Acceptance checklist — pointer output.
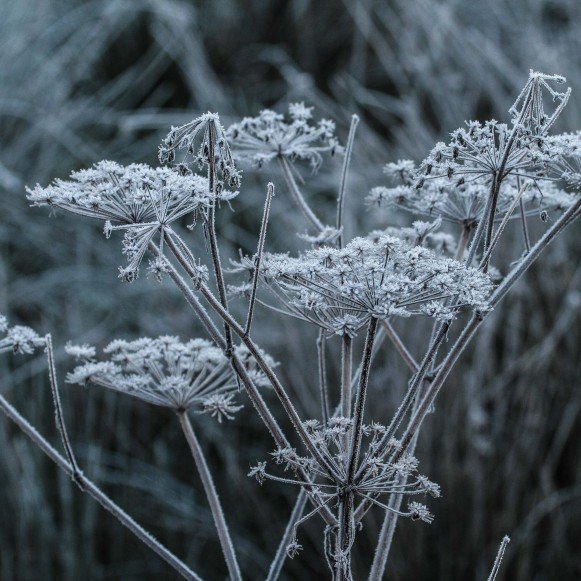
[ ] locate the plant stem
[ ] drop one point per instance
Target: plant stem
(344, 174)
(281, 553)
(258, 258)
(499, 556)
(346, 371)
(93, 490)
(400, 347)
(211, 228)
(463, 243)
(298, 196)
(321, 342)
(356, 430)
(253, 393)
(58, 411)
(211, 495)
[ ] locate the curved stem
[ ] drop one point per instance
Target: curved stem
(93, 490)
(298, 196)
(211, 495)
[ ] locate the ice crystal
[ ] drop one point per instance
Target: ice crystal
(166, 372)
(259, 140)
(340, 289)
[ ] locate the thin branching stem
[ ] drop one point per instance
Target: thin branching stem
(58, 410)
(258, 257)
(485, 259)
(344, 175)
(346, 371)
(94, 491)
(400, 347)
(525, 228)
(212, 496)
(358, 412)
(211, 228)
(321, 352)
(281, 553)
(298, 196)
(499, 556)
(463, 242)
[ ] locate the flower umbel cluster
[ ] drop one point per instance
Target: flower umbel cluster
(375, 477)
(259, 140)
(465, 203)
(167, 373)
(141, 200)
(341, 289)
(19, 339)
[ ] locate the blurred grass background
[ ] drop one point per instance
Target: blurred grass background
(82, 81)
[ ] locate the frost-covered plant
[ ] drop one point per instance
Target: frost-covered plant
(168, 373)
(375, 475)
(343, 465)
(464, 204)
(138, 199)
(267, 137)
(18, 339)
(341, 289)
(261, 139)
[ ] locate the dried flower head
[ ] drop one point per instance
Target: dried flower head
(375, 478)
(19, 339)
(465, 203)
(259, 140)
(138, 199)
(165, 372)
(340, 289)
(203, 140)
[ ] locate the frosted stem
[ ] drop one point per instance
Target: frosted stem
(212, 496)
(93, 490)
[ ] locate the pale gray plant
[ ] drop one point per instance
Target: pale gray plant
(268, 136)
(339, 290)
(345, 465)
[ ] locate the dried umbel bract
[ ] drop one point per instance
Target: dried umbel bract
(204, 142)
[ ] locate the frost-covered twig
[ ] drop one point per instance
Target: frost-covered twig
(59, 418)
(93, 490)
(211, 495)
(498, 559)
(258, 256)
(344, 174)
